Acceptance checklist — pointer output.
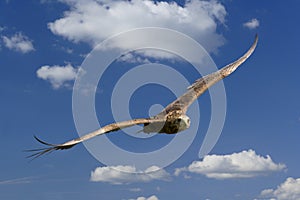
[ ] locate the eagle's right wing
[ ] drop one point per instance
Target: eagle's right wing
(103, 130)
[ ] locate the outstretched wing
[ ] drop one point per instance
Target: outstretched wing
(103, 130)
(202, 84)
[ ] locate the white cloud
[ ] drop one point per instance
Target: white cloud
(93, 21)
(132, 58)
(244, 164)
(153, 197)
(135, 189)
(57, 75)
(252, 24)
(18, 42)
(290, 190)
(127, 174)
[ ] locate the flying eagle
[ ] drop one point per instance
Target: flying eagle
(171, 120)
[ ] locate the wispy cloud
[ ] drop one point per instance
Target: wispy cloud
(128, 174)
(58, 76)
(2, 28)
(252, 24)
(18, 42)
(244, 164)
(132, 58)
(290, 190)
(23, 180)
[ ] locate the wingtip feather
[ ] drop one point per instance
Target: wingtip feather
(41, 141)
(41, 151)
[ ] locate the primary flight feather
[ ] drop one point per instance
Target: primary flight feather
(171, 120)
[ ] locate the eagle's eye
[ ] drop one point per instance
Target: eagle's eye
(178, 120)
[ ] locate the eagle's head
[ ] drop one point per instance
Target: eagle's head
(184, 122)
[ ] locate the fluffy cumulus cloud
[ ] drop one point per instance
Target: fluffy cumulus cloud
(290, 190)
(153, 197)
(252, 24)
(18, 42)
(127, 174)
(244, 164)
(58, 76)
(93, 21)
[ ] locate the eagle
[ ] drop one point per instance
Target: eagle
(171, 120)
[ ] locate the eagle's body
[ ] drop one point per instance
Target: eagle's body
(171, 120)
(171, 124)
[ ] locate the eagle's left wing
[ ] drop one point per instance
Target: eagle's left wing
(202, 84)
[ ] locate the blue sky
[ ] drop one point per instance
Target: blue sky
(42, 44)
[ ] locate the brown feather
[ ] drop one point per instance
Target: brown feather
(103, 130)
(202, 84)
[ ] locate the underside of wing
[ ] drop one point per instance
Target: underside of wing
(106, 129)
(202, 84)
